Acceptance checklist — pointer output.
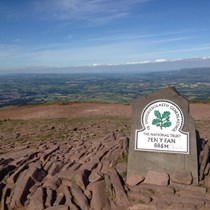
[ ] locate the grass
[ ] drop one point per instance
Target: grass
(59, 129)
(200, 101)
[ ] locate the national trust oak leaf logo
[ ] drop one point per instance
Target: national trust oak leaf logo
(162, 121)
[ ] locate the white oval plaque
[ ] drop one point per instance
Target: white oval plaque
(162, 121)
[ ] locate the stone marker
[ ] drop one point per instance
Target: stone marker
(163, 135)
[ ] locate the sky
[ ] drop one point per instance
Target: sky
(74, 33)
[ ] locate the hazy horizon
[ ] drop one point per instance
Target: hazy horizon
(53, 35)
(150, 66)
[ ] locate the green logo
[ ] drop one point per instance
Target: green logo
(162, 121)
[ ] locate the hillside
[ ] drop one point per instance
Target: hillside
(75, 111)
(74, 156)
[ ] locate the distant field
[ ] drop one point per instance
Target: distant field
(26, 89)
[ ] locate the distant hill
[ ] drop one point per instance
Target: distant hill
(115, 87)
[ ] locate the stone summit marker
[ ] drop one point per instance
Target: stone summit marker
(163, 135)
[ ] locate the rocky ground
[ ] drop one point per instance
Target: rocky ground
(74, 156)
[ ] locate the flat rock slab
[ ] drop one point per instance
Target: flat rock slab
(183, 177)
(134, 180)
(156, 178)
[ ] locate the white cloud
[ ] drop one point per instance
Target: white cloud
(160, 60)
(64, 54)
(94, 11)
(206, 57)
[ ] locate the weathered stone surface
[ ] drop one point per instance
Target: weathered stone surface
(124, 144)
(65, 175)
(142, 207)
(207, 181)
(198, 189)
(23, 153)
(52, 183)
(169, 198)
(48, 152)
(88, 194)
(95, 176)
(69, 198)
(95, 160)
(157, 189)
(197, 202)
(99, 198)
(191, 194)
(5, 194)
(182, 177)
(109, 188)
(48, 165)
(37, 201)
(49, 197)
(59, 199)
(33, 189)
(23, 185)
(13, 178)
(139, 197)
(55, 168)
(162, 205)
(79, 198)
(81, 179)
(203, 160)
(121, 168)
(59, 207)
(134, 180)
(157, 178)
(97, 184)
(206, 172)
(121, 197)
(105, 167)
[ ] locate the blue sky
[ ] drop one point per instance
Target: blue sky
(62, 33)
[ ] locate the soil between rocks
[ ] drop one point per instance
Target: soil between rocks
(74, 156)
(200, 113)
